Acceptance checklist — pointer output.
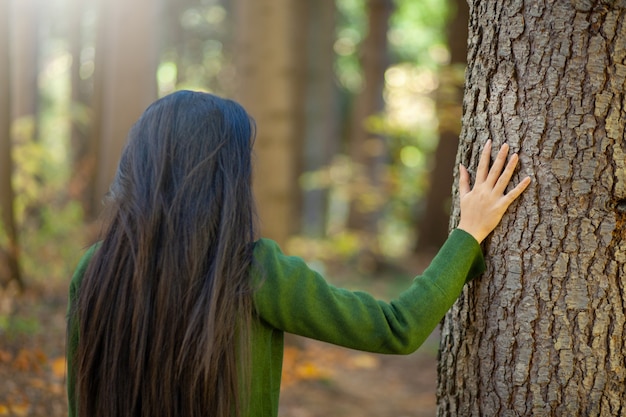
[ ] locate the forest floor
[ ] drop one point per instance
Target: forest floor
(318, 379)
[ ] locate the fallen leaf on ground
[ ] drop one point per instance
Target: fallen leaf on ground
(58, 367)
(29, 360)
(20, 410)
(311, 371)
(365, 361)
(5, 356)
(38, 383)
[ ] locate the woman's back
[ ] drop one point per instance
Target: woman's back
(166, 297)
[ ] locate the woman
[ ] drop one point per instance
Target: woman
(180, 311)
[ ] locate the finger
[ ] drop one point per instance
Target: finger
(505, 177)
(464, 180)
(483, 164)
(512, 195)
(498, 164)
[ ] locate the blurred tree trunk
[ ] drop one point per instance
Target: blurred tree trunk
(92, 195)
(82, 152)
(24, 64)
(178, 35)
(543, 332)
(432, 230)
(125, 80)
(321, 124)
(271, 76)
(368, 150)
(25, 68)
(9, 255)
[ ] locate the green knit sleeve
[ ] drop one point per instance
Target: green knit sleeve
(293, 298)
(72, 328)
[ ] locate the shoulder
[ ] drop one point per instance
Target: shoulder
(268, 253)
(83, 263)
(268, 258)
(270, 266)
(265, 246)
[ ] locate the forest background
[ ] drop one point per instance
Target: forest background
(357, 105)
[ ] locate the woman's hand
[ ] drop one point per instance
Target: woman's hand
(483, 206)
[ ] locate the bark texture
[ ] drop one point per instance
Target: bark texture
(542, 333)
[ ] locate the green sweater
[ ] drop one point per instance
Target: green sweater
(293, 298)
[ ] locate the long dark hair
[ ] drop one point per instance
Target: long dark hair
(165, 304)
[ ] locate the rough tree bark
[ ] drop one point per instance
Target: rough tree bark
(542, 332)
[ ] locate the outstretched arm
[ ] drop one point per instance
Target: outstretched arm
(483, 206)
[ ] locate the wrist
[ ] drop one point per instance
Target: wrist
(474, 233)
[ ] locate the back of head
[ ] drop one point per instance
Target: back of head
(166, 299)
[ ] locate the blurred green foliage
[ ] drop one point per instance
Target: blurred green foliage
(417, 48)
(13, 326)
(50, 224)
(417, 32)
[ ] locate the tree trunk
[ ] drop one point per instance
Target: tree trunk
(125, 83)
(368, 150)
(9, 255)
(542, 332)
(321, 124)
(25, 66)
(432, 230)
(82, 151)
(271, 65)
